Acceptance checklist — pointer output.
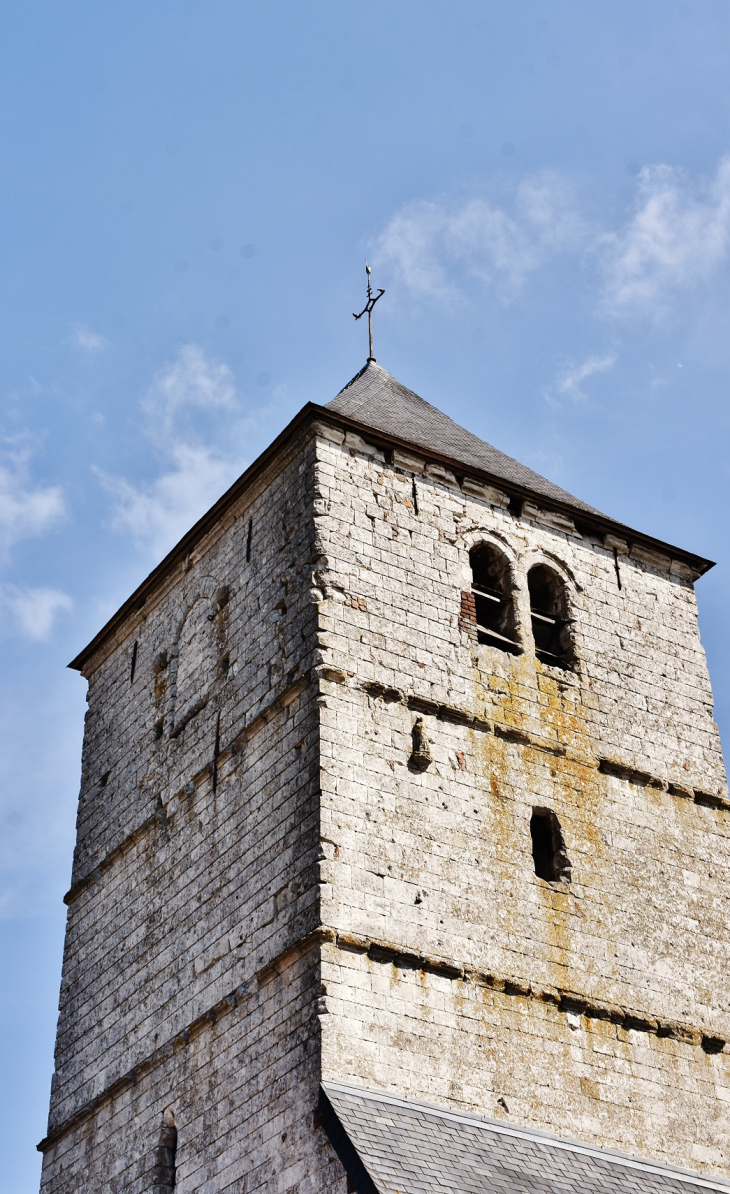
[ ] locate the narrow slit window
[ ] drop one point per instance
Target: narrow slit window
(548, 847)
(550, 621)
(493, 604)
(163, 1173)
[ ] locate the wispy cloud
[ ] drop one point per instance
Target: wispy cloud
(574, 373)
(34, 611)
(194, 472)
(674, 235)
(192, 382)
(677, 235)
(26, 510)
(157, 514)
(91, 342)
(435, 247)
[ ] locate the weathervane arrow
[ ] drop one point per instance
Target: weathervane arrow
(368, 310)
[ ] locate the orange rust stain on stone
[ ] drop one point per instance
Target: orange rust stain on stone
(526, 696)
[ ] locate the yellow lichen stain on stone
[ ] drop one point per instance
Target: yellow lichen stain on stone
(528, 696)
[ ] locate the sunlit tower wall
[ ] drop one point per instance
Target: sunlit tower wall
(400, 772)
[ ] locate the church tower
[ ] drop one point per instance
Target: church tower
(403, 859)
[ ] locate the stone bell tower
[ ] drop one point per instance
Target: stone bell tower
(402, 857)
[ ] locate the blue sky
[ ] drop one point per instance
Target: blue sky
(188, 192)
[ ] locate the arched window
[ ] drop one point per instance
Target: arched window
(493, 604)
(550, 622)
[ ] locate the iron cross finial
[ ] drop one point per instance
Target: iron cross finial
(368, 310)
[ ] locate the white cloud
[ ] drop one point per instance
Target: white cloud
(25, 510)
(35, 610)
(157, 514)
(89, 341)
(426, 242)
(569, 381)
(192, 381)
(194, 473)
(677, 235)
(674, 236)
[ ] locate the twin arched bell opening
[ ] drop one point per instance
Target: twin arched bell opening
(494, 607)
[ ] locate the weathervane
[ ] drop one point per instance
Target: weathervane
(368, 310)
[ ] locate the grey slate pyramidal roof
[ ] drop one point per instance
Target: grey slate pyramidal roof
(390, 1146)
(376, 399)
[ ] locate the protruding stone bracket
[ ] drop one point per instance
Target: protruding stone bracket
(421, 754)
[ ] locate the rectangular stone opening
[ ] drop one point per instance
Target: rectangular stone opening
(548, 847)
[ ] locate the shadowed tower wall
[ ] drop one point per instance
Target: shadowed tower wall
(196, 866)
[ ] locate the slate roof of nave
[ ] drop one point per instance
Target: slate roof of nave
(377, 400)
(391, 1146)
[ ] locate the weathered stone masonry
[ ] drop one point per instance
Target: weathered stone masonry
(280, 877)
(626, 753)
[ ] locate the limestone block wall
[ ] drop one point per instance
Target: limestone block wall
(460, 1042)
(441, 861)
(393, 578)
(456, 970)
(198, 817)
(243, 1091)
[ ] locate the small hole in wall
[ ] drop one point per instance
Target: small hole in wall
(104, 779)
(157, 729)
(713, 1044)
(548, 847)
